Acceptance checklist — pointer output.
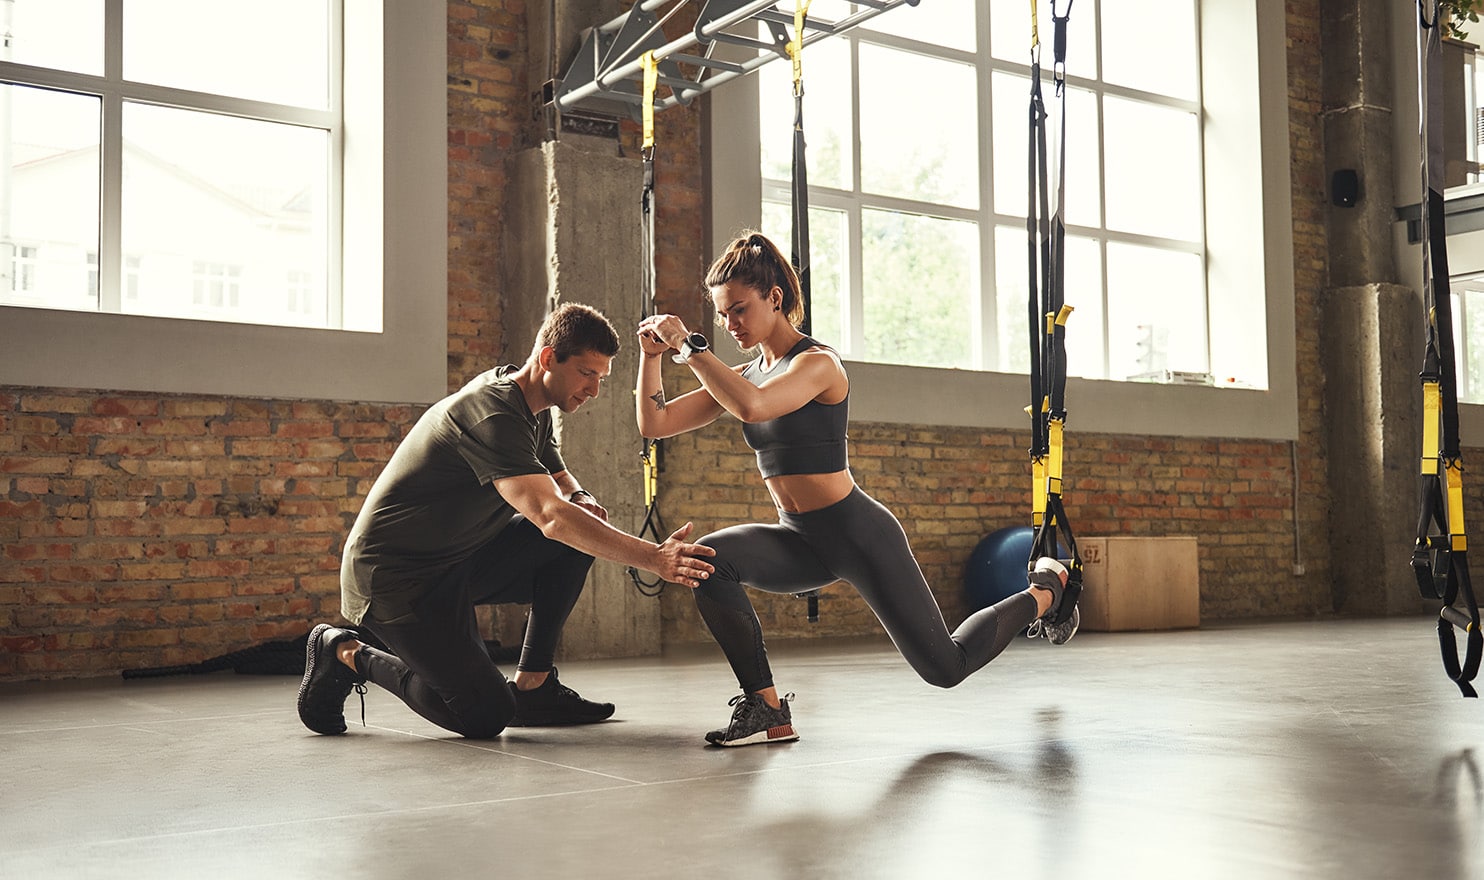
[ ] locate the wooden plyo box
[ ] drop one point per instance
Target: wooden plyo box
(1139, 583)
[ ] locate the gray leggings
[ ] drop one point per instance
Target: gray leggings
(860, 541)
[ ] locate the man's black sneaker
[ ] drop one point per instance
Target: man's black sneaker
(327, 682)
(754, 721)
(554, 704)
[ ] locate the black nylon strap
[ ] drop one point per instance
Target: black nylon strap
(799, 238)
(649, 449)
(654, 528)
(1440, 556)
(1037, 229)
(1046, 257)
(799, 256)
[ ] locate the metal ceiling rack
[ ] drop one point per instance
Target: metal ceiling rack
(605, 79)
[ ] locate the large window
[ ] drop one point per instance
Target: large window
(917, 126)
(173, 158)
(1468, 331)
(353, 308)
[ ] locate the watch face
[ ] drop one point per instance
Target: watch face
(697, 342)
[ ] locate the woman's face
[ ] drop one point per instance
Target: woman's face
(748, 312)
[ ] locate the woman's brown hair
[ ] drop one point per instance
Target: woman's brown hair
(754, 261)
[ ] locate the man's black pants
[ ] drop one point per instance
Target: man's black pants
(436, 660)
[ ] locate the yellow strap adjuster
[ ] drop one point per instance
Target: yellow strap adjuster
(1431, 409)
(651, 67)
(795, 46)
(1458, 540)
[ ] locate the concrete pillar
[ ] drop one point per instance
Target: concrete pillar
(554, 30)
(573, 235)
(1370, 345)
(1370, 327)
(1358, 95)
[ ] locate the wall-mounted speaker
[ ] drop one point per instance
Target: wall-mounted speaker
(1344, 188)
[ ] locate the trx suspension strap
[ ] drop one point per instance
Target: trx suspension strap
(799, 239)
(799, 236)
(1440, 558)
(653, 526)
(1047, 313)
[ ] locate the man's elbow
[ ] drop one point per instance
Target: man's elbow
(549, 520)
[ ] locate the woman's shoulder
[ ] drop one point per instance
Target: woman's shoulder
(817, 349)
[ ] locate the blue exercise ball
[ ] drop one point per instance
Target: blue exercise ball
(997, 567)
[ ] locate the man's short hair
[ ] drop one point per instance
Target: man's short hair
(576, 329)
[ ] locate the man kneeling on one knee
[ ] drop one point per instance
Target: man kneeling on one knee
(477, 507)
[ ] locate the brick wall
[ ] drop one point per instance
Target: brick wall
(1311, 277)
(489, 119)
(143, 531)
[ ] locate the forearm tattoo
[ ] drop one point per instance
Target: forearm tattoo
(659, 399)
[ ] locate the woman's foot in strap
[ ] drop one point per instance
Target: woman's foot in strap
(1057, 624)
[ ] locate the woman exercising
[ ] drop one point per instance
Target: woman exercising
(791, 400)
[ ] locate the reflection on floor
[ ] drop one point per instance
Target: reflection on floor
(1316, 749)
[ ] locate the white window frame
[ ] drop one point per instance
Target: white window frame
(393, 242)
(1249, 250)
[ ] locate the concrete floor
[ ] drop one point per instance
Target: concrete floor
(1325, 749)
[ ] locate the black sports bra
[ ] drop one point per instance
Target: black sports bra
(809, 440)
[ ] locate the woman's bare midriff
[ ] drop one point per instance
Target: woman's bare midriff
(801, 493)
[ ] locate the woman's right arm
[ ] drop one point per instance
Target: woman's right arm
(657, 417)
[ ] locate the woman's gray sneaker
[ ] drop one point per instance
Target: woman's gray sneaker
(755, 722)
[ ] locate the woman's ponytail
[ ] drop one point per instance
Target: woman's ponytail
(753, 260)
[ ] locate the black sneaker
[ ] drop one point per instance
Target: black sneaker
(754, 721)
(327, 681)
(554, 704)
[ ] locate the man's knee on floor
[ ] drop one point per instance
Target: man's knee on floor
(482, 729)
(480, 710)
(486, 723)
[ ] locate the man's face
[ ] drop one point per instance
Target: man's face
(571, 384)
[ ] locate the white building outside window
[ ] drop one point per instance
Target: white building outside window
(176, 132)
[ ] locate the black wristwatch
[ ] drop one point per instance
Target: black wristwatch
(692, 345)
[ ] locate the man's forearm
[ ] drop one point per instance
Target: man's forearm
(576, 528)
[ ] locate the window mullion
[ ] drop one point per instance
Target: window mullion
(111, 162)
(987, 347)
(1200, 158)
(856, 310)
(335, 254)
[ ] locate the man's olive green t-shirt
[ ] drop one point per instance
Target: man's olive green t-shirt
(435, 504)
